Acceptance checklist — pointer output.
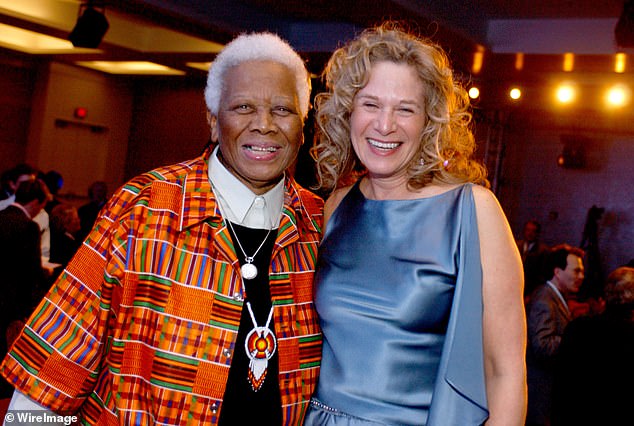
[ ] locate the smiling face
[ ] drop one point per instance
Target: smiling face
(569, 280)
(387, 120)
(259, 125)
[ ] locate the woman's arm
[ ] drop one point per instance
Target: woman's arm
(504, 322)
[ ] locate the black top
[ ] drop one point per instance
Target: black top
(241, 404)
(595, 370)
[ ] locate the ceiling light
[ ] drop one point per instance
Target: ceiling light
(204, 66)
(474, 92)
(519, 61)
(566, 93)
(569, 62)
(91, 26)
(515, 93)
(26, 41)
(478, 60)
(617, 96)
(619, 62)
(130, 67)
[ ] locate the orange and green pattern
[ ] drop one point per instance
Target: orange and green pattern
(141, 326)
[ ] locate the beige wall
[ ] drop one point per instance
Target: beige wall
(16, 91)
(82, 150)
(169, 124)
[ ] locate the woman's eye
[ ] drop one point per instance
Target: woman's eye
(282, 110)
(370, 105)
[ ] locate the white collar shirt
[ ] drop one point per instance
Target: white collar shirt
(21, 207)
(239, 204)
(559, 295)
(7, 202)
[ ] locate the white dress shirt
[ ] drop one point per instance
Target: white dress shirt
(239, 204)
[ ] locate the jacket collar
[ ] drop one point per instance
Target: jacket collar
(199, 203)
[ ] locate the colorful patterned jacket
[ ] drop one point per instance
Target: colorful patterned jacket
(141, 326)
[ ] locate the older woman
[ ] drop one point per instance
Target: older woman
(190, 302)
(419, 283)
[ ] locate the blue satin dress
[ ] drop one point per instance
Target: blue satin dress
(390, 295)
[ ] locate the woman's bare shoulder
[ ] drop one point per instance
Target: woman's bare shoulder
(333, 201)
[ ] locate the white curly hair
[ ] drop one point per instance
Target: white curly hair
(252, 47)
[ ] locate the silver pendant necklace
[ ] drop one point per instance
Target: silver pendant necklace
(248, 270)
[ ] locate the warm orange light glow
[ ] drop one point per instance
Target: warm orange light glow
(478, 60)
(619, 62)
(519, 61)
(515, 93)
(203, 66)
(618, 96)
(130, 67)
(474, 93)
(566, 93)
(569, 61)
(35, 43)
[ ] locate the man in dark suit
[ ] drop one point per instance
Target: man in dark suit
(596, 361)
(532, 251)
(547, 316)
(98, 194)
(22, 277)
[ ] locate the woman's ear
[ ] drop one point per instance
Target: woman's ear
(212, 120)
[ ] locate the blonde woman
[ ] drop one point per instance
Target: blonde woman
(419, 283)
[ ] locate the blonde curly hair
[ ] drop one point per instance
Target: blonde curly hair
(447, 143)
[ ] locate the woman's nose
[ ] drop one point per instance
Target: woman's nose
(385, 121)
(262, 121)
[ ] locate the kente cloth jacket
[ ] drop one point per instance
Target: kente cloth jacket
(141, 326)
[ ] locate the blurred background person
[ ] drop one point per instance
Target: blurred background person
(98, 195)
(595, 365)
(11, 179)
(532, 251)
(548, 314)
(54, 181)
(22, 275)
(17, 175)
(64, 230)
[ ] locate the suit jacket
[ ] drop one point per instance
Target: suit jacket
(547, 318)
(532, 261)
(20, 267)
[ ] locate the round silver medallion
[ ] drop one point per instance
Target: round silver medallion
(248, 271)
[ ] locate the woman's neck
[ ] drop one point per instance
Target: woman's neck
(398, 189)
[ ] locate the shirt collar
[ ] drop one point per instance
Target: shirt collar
(558, 293)
(21, 207)
(239, 204)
